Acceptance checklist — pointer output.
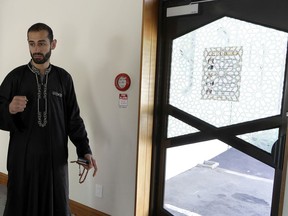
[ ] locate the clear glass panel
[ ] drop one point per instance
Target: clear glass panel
(177, 128)
(225, 77)
(219, 181)
(262, 139)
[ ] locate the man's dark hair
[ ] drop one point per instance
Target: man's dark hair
(40, 27)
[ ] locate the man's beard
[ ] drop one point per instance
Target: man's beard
(42, 60)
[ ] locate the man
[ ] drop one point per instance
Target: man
(38, 106)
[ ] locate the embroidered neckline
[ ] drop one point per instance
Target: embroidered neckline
(41, 93)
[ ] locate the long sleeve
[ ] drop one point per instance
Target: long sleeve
(8, 89)
(75, 125)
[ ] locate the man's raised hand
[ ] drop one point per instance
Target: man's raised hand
(18, 104)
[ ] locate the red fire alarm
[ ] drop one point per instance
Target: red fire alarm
(122, 82)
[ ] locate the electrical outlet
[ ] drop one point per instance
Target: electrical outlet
(98, 190)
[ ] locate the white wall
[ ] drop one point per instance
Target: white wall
(96, 41)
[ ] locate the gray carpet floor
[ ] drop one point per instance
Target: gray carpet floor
(3, 192)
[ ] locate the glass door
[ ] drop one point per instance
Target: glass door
(221, 111)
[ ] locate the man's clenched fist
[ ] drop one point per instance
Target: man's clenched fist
(18, 104)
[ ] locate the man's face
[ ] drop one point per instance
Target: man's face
(39, 46)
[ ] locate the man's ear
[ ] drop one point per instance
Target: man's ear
(53, 44)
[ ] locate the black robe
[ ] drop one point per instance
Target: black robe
(37, 156)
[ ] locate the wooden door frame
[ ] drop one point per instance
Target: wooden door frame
(146, 106)
(146, 110)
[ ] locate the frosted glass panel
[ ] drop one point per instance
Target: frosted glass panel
(262, 139)
(177, 128)
(224, 76)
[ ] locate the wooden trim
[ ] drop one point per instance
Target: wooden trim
(146, 106)
(77, 209)
(3, 178)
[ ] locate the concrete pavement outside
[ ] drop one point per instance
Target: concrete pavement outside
(239, 186)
